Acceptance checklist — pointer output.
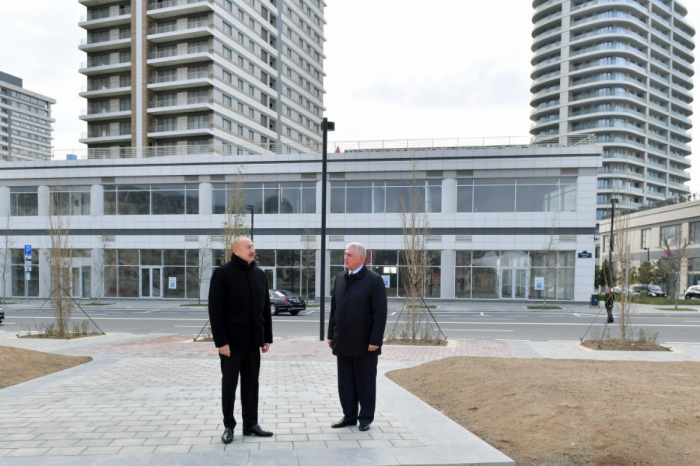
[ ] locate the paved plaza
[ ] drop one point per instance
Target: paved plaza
(155, 399)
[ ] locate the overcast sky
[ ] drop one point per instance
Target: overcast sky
(396, 69)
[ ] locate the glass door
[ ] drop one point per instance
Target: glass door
(506, 283)
(514, 283)
(75, 282)
(151, 283)
(520, 284)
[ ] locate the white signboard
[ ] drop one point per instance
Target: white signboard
(172, 283)
(27, 268)
(539, 283)
(387, 280)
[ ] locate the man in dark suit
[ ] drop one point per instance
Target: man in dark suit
(239, 310)
(355, 332)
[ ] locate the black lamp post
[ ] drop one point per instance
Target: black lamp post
(252, 219)
(325, 126)
(612, 242)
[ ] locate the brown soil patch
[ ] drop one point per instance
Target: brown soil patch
(617, 344)
(569, 412)
(19, 365)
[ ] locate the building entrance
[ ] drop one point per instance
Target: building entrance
(151, 284)
(514, 283)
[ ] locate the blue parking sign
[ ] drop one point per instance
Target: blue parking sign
(27, 249)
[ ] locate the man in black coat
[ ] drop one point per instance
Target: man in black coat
(355, 332)
(239, 310)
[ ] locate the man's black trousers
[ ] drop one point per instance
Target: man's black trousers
(357, 383)
(245, 362)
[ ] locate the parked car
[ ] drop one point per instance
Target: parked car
(649, 290)
(286, 301)
(2, 315)
(693, 292)
(630, 291)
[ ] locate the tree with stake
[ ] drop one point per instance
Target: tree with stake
(5, 258)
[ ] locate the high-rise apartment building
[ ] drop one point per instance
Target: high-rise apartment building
(218, 74)
(25, 121)
(622, 70)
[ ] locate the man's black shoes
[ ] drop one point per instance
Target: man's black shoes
(228, 435)
(257, 431)
(344, 423)
(364, 426)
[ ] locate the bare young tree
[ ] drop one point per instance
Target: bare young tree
(203, 269)
(235, 216)
(59, 256)
(5, 258)
(621, 269)
(308, 260)
(414, 324)
(673, 264)
(99, 268)
(549, 268)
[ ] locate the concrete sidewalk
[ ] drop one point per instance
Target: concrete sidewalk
(155, 399)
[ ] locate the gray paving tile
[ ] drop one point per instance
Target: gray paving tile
(272, 458)
(27, 452)
(65, 451)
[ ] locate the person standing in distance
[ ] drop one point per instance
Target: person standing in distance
(609, 303)
(241, 323)
(355, 332)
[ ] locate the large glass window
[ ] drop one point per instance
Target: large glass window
(70, 200)
(391, 196)
(268, 198)
(670, 234)
(477, 273)
(18, 274)
(494, 195)
(694, 232)
(646, 234)
(516, 195)
(24, 201)
(168, 199)
(391, 265)
(124, 270)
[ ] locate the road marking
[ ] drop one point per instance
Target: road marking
(187, 326)
(504, 339)
(393, 313)
(482, 313)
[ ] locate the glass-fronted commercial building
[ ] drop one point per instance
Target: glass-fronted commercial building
(505, 222)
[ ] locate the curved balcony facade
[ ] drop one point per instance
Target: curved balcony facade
(623, 70)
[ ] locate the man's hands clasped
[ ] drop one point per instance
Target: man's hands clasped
(226, 351)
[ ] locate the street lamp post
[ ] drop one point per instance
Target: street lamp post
(612, 242)
(252, 219)
(325, 126)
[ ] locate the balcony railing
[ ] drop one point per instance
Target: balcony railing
(105, 134)
(168, 78)
(176, 53)
(111, 61)
(180, 27)
(101, 87)
(175, 102)
(110, 109)
(172, 3)
(160, 128)
(112, 36)
(106, 13)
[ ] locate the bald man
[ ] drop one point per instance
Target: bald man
(239, 310)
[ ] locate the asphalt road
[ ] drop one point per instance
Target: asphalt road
(475, 324)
